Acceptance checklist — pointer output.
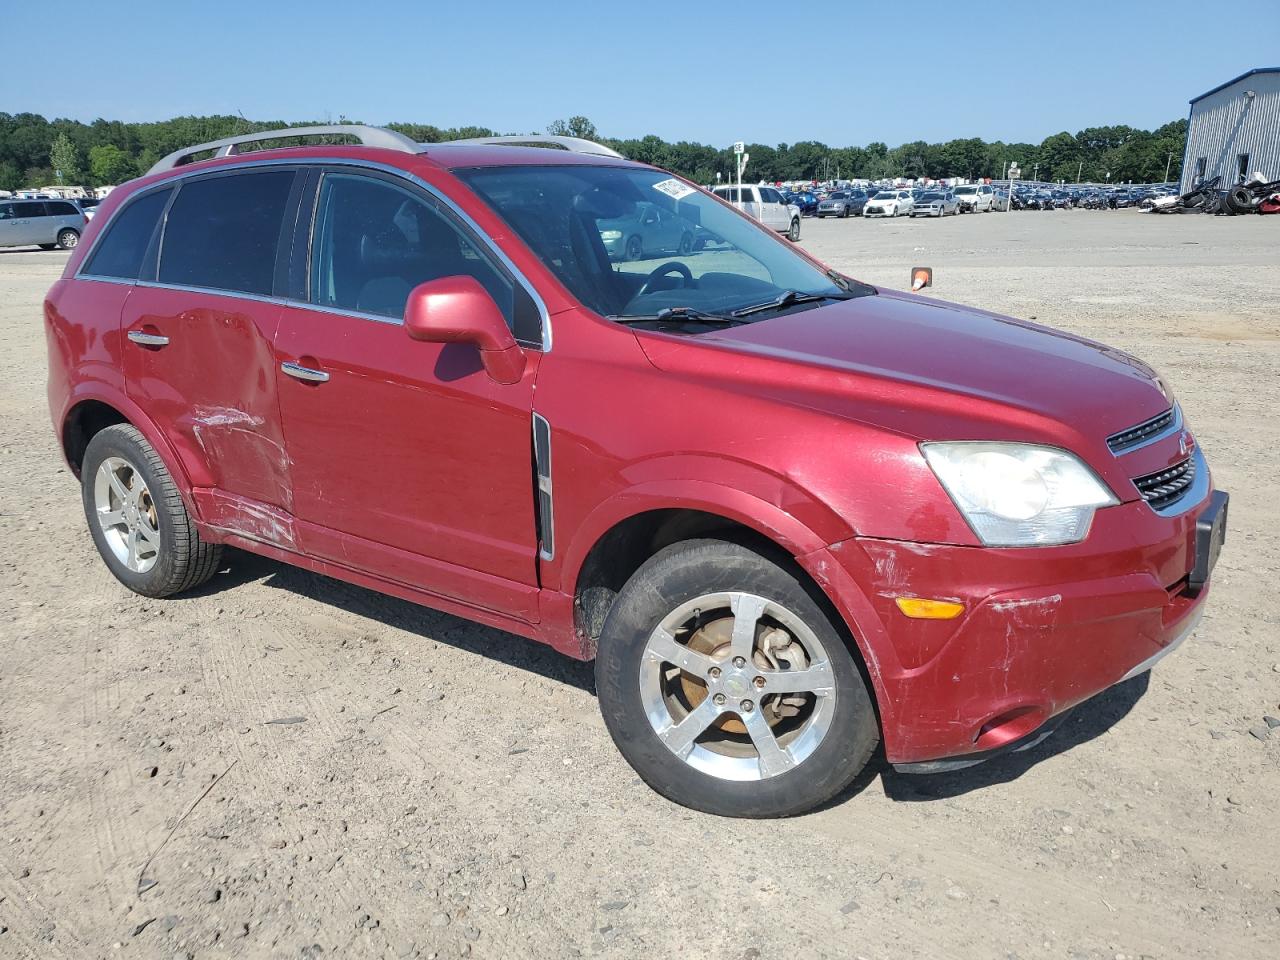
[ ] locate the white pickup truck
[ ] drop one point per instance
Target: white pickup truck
(765, 204)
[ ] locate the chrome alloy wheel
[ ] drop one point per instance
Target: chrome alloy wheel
(737, 686)
(127, 514)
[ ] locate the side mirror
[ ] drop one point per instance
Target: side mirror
(459, 310)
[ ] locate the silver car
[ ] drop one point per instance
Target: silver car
(40, 223)
(936, 203)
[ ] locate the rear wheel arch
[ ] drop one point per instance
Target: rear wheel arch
(89, 416)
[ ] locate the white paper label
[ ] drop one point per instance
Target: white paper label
(674, 188)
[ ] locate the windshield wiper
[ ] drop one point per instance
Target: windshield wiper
(677, 314)
(786, 299)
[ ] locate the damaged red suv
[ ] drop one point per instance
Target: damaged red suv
(788, 514)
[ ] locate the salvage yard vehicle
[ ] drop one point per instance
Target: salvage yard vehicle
(842, 203)
(975, 198)
(40, 223)
(889, 203)
(935, 203)
(790, 515)
(767, 205)
(645, 231)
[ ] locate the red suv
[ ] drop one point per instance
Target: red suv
(788, 514)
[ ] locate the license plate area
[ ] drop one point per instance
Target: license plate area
(1211, 534)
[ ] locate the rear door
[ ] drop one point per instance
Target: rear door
(198, 353)
(408, 460)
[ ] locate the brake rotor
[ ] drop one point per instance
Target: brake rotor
(714, 639)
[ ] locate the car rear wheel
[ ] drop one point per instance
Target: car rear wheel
(726, 686)
(686, 244)
(635, 250)
(137, 518)
(794, 233)
(68, 238)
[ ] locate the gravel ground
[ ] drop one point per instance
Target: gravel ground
(296, 767)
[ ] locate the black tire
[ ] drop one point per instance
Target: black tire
(184, 560)
(68, 238)
(675, 576)
(794, 233)
(686, 244)
(844, 213)
(634, 249)
(1239, 200)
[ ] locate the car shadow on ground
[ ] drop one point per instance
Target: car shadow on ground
(1086, 722)
(239, 567)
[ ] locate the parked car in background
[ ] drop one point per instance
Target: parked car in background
(646, 232)
(805, 200)
(935, 203)
(88, 206)
(767, 205)
(843, 203)
(889, 203)
(40, 223)
(999, 199)
(975, 198)
(794, 519)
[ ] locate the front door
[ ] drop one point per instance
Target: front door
(408, 460)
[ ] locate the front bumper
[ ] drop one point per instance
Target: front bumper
(1043, 628)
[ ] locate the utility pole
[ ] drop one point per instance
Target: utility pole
(1079, 171)
(1167, 164)
(1035, 173)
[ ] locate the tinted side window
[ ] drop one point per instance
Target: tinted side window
(223, 232)
(123, 247)
(28, 208)
(60, 208)
(6, 211)
(373, 242)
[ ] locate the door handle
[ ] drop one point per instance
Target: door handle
(148, 339)
(299, 372)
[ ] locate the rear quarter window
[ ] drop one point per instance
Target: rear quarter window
(223, 232)
(62, 209)
(123, 247)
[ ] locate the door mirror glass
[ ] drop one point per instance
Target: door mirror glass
(459, 310)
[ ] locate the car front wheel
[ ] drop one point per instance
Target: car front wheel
(727, 687)
(68, 238)
(794, 233)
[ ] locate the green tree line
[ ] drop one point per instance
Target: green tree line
(35, 152)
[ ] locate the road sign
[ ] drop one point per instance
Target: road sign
(1014, 171)
(739, 147)
(742, 164)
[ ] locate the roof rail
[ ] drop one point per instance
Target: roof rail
(228, 146)
(572, 144)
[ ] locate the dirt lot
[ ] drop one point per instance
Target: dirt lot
(452, 790)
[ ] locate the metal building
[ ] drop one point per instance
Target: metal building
(1234, 130)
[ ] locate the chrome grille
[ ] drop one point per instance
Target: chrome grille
(1128, 439)
(1164, 487)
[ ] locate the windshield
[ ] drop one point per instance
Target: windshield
(966, 190)
(886, 195)
(930, 196)
(632, 242)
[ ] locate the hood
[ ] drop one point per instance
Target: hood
(897, 351)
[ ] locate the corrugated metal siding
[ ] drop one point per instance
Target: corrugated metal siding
(1227, 124)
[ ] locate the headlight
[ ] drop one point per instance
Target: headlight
(1019, 494)
(610, 234)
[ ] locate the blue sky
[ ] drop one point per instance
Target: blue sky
(766, 72)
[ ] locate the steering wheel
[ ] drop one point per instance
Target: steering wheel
(671, 266)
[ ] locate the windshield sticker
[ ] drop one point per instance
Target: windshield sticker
(674, 188)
